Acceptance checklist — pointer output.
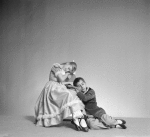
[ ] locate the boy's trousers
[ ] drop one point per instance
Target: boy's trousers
(102, 116)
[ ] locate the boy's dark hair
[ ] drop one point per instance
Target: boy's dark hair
(77, 80)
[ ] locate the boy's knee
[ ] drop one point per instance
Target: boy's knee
(108, 120)
(95, 124)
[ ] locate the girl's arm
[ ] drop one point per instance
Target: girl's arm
(68, 83)
(62, 78)
(70, 86)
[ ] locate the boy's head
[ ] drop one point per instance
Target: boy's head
(80, 83)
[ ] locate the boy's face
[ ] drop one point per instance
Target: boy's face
(81, 85)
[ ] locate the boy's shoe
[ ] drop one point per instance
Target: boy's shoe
(123, 126)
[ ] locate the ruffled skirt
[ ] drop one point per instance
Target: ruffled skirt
(55, 103)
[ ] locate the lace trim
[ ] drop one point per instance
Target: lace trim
(46, 116)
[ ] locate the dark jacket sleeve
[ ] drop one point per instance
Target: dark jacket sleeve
(86, 97)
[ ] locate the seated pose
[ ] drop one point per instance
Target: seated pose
(56, 102)
(87, 95)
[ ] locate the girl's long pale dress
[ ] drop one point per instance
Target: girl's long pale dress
(55, 103)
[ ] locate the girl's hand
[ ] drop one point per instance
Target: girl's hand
(68, 86)
(68, 74)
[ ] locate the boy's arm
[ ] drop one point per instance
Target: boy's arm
(86, 97)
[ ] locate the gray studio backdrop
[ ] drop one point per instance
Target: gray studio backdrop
(109, 40)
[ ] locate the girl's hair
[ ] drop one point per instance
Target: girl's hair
(73, 64)
(77, 80)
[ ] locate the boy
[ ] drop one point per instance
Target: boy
(88, 97)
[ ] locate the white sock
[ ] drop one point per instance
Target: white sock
(119, 121)
(117, 126)
(83, 123)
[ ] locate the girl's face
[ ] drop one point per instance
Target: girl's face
(81, 85)
(67, 67)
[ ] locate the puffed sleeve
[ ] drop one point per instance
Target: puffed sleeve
(56, 69)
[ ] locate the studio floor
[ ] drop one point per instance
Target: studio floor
(23, 126)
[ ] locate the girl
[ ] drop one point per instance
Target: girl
(56, 102)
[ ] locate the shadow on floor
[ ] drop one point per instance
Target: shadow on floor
(66, 123)
(30, 118)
